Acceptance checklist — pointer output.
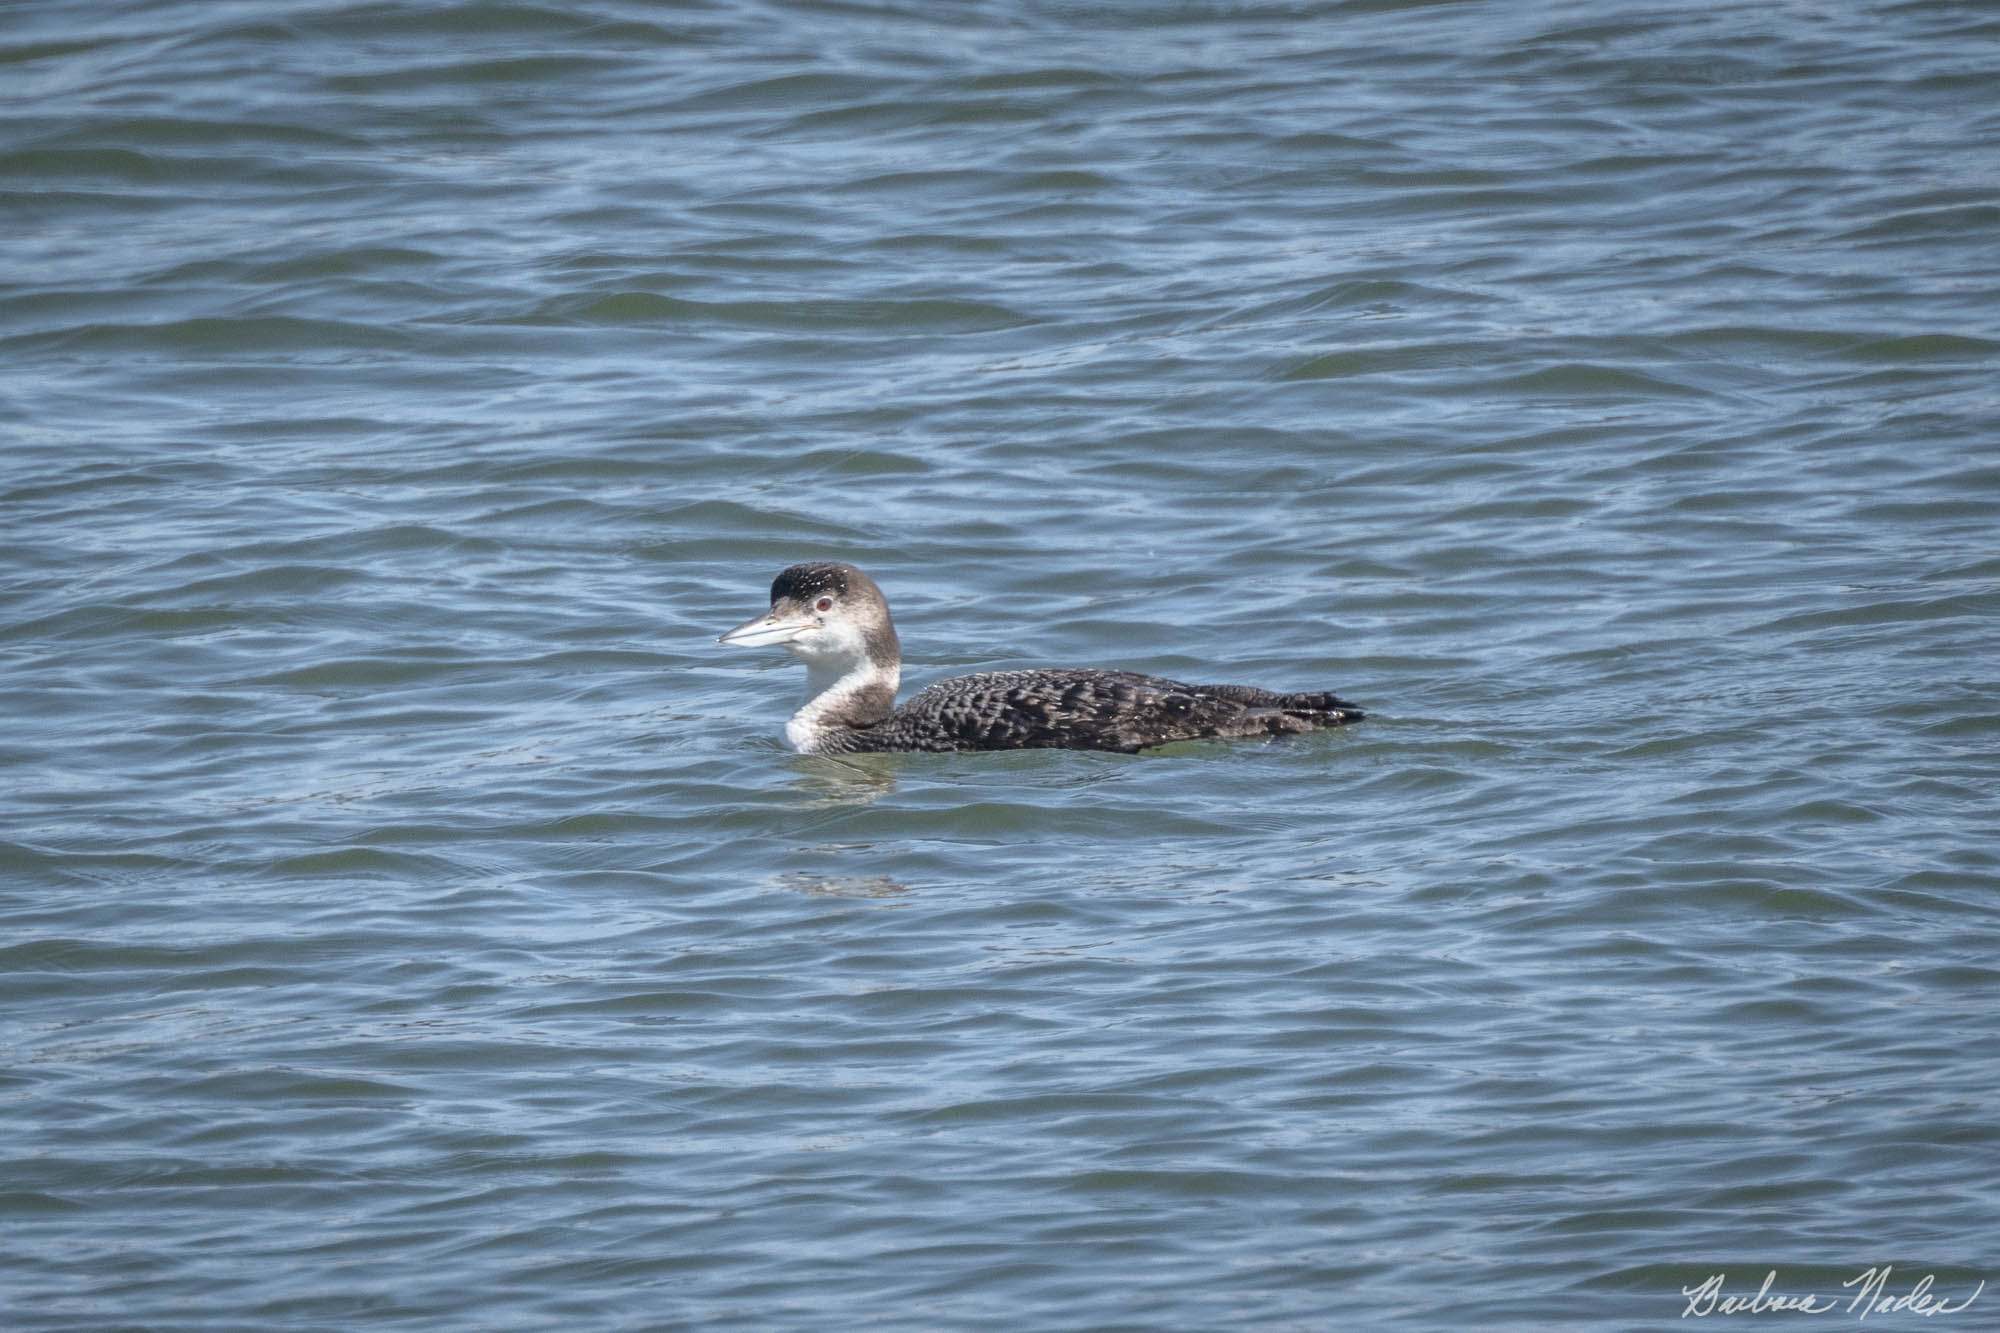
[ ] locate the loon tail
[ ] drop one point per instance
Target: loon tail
(1288, 712)
(1326, 710)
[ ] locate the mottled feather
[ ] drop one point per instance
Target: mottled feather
(1086, 709)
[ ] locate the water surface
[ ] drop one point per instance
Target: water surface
(412, 918)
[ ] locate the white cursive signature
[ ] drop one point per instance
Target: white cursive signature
(1872, 1296)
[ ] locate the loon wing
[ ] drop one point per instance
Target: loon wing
(1080, 709)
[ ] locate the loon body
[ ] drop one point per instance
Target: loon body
(834, 618)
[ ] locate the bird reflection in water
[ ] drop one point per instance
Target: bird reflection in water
(841, 886)
(847, 781)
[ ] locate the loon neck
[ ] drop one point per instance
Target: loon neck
(842, 697)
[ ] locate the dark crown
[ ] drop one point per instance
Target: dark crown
(802, 582)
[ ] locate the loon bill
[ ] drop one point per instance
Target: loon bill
(834, 619)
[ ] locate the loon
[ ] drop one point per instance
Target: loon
(834, 618)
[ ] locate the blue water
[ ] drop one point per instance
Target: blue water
(410, 917)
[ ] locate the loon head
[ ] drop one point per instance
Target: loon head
(834, 619)
(831, 616)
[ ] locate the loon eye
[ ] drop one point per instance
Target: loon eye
(824, 604)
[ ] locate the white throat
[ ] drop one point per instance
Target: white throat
(831, 686)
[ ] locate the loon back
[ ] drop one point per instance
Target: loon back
(834, 618)
(1084, 709)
